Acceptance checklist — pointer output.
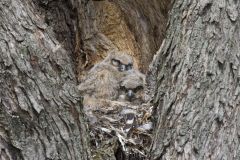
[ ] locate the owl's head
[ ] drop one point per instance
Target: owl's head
(132, 86)
(120, 60)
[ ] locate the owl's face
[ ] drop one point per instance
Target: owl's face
(131, 94)
(121, 61)
(121, 66)
(132, 87)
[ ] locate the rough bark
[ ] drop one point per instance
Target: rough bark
(40, 109)
(198, 71)
(60, 16)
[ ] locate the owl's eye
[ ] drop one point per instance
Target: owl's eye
(123, 88)
(115, 62)
(129, 67)
(138, 88)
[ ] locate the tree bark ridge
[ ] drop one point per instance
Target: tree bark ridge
(197, 97)
(41, 113)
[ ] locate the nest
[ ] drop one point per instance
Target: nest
(119, 130)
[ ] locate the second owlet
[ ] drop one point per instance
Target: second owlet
(132, 87)
(103, 80)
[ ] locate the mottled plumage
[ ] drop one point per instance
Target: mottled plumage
(104, 78)
(132, 86)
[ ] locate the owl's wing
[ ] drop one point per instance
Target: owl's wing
(106, 85)
(100, 83)
(88, 85)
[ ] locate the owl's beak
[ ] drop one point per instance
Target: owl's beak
(122, 68)
(130, 94)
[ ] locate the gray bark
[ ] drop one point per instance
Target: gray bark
(197, 97)
(40, 109)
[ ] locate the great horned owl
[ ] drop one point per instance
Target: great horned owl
(132, 87)
(120, 60)
(104, 78)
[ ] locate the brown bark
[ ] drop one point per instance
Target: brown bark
(197, 98)
(147, 22)
(40, 109)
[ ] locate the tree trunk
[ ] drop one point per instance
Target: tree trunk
(198, 72)
(40, 109)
